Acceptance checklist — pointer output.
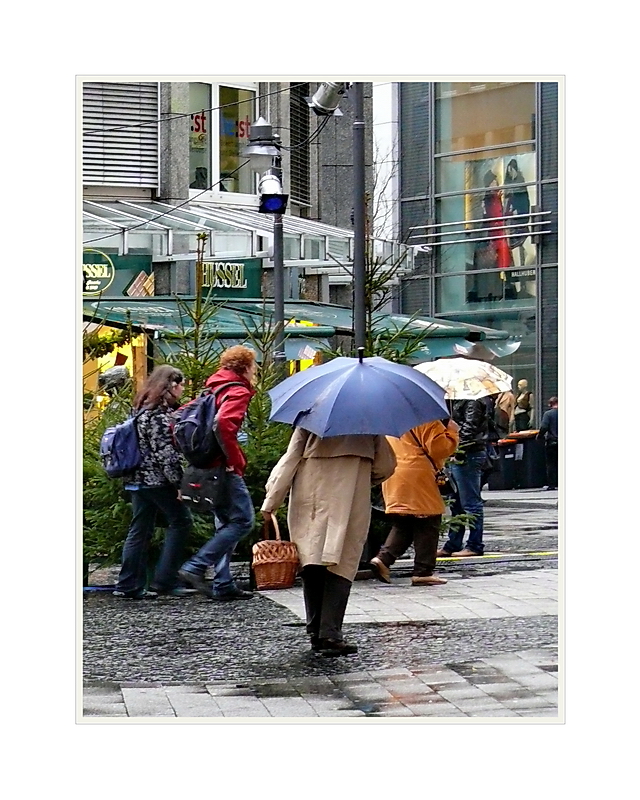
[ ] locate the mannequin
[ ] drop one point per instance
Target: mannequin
(503, 416)
(524, 407)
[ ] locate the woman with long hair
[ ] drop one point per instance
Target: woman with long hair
(154, 486)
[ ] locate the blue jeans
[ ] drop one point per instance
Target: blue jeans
(135, 554)
(468, 500)
(233, 520)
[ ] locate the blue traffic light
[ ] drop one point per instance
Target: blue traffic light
(273, 203)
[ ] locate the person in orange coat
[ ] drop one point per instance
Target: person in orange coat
(413, 502)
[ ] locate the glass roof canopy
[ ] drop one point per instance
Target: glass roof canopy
(164, 230)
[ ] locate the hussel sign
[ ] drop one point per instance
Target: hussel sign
(240, 277)
(223, 275)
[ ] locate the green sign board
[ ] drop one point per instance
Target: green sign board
(111, 275)
(232, 277)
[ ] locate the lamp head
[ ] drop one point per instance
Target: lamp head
(326, 98)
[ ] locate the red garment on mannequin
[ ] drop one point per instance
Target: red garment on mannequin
(493, 208)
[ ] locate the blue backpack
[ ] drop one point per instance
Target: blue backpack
(120, 448)
(195, 427)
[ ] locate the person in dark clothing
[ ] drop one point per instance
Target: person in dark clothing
(473, 418)
(154, 487)
(549, 432)
(492, 439)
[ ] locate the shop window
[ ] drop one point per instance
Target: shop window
(492, 228)
(476, 115)
(466, 171)
(235, 114)
(200, 136)
(485, 291)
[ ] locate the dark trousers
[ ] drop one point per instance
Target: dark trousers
(325, 598)
(422, 532)
(551, 460)
(146, 502)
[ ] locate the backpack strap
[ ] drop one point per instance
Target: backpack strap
(433, 463)
(215, 392)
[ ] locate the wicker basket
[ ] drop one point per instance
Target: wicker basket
(275, 562)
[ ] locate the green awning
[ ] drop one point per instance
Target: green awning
(341, 318)
(306, 320)
(151, 314)
(296, 348)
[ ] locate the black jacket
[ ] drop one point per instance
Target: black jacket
(549, 426)
(473, 418)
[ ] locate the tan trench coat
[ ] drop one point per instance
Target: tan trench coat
(412, 488)
(330, 504)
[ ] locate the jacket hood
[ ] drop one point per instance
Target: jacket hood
(226, 376)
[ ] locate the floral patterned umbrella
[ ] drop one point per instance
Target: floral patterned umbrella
(466, 378)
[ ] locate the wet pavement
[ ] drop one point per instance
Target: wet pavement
(483, 645)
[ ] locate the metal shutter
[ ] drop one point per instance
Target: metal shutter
(120, 134)
(299, 116)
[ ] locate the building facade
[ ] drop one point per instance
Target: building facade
(475, 180)
(164, 160)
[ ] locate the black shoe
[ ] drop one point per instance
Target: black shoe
(315, 643)
(197, 582)
(336, 647)
(232, 594)
(177, 591)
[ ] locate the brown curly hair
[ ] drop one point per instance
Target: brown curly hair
(238, 358)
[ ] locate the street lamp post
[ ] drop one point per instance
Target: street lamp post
(264, 151)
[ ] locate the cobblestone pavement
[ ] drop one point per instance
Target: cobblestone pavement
(483, 645)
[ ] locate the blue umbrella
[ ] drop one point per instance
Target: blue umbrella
(358, 396)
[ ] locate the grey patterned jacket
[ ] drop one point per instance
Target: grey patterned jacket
(161, 462)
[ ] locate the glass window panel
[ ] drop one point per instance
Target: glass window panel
(232, 245)
(338, 248)
(475, 115)
(200, 136)
(468, 170)
(291, 247)
(314, 248)
(143, 242)
(484, 291)
(236, 113)
(95, 238)
(491, 229)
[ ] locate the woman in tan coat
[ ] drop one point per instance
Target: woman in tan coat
(329, 512)
(413, 502)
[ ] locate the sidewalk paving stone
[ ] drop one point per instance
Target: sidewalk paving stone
(450, 651)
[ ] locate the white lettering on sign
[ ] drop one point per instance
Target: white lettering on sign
(223, 275)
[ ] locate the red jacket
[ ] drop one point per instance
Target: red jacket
(232, 404)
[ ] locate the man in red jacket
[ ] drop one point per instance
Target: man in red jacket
(234, 514)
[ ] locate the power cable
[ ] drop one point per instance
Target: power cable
(310, 138)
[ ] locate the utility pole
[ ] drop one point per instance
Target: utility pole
(359, 214)
(279, 356)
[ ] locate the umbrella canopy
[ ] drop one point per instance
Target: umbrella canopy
(466, 378)
(357, 396)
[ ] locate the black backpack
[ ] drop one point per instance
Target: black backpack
(195, 428)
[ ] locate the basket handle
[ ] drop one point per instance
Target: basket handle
(276, 527)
